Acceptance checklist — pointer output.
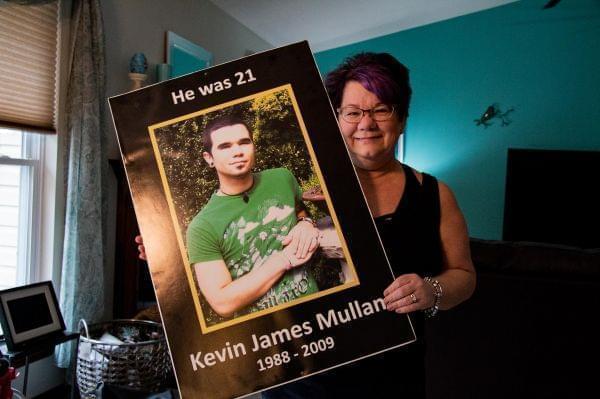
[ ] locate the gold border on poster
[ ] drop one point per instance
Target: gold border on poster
(188, 267)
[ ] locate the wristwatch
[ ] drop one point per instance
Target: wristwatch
(306, 219)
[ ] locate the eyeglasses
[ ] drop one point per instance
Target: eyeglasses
(352, 114)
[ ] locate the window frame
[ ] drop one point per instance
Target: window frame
(30, 204)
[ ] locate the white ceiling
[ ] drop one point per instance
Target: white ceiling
(328, 24)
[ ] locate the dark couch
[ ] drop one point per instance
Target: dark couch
(529, 331)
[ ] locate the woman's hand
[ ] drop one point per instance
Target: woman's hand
(302, 240)
(141, 249)
(409, 293)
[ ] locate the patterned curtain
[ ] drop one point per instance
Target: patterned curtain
(83, 283)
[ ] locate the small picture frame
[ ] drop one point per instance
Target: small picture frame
(29, 314)
(184, 56)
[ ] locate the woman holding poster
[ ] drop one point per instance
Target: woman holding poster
(418, 219)
(422, 228)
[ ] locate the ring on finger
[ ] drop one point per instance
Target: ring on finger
(413, 298)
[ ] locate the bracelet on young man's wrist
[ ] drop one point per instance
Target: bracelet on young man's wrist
(306, 219)
(437, 293)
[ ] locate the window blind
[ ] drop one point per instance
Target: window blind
(28, 65)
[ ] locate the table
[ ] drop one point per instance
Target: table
(37, 351)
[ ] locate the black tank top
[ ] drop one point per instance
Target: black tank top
(411, 235)
(411, 239)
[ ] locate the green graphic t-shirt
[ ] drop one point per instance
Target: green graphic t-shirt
(244, 234)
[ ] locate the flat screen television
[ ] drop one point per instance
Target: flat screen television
(553, 196)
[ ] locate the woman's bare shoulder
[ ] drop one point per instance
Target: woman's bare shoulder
(447, 198)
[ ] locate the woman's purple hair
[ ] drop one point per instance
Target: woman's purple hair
(380, 73)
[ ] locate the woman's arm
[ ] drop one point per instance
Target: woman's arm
(458, 276)
(409, 292)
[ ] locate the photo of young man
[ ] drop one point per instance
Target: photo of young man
(250, 244)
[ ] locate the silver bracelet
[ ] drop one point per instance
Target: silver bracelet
(306, 219)
(438, 292)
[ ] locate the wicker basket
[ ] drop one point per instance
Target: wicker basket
(143, 365)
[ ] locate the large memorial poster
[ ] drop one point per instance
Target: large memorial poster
(264, 256)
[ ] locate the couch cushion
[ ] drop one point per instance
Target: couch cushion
(541, 260)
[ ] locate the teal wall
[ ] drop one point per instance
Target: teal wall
(545, 63)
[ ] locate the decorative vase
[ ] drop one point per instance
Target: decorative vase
(137, 70)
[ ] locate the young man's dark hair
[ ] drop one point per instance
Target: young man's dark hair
(218, 123)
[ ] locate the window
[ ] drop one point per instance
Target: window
(29, 49)
(29, 88)
(20, 205)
